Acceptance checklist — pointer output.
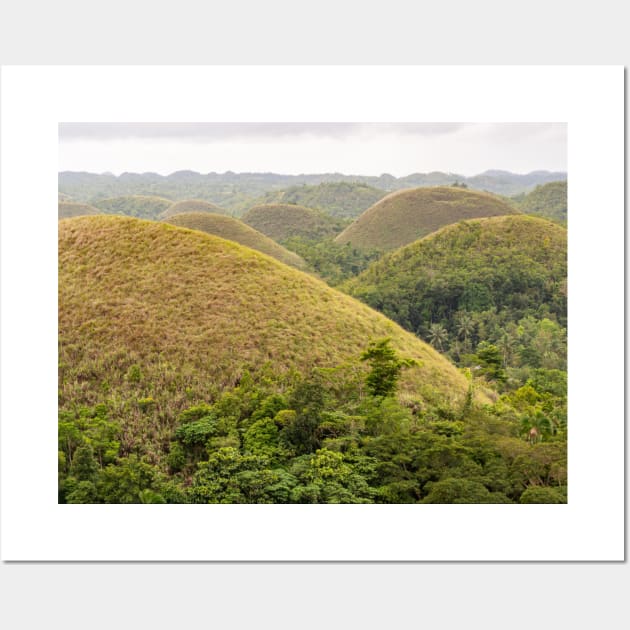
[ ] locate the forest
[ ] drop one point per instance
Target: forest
(342, 341)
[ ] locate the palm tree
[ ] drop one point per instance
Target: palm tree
(465, 326)
(537, 426)
(438, 336)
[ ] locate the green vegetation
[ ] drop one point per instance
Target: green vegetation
(191, 205)
(154, 319)
(194, 369)
(139, 206)
(405, 216)
(548, 200)
(237, 231)
(68, 209)
(331, 262)
(284, 221)
(313, 440)
(238, 191)
(490, 292)
(344, 200)
(385, 368)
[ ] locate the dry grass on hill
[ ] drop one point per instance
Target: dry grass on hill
(407, 215)
(192, 205)
(283, 221)
(237, 231)
(152, 311)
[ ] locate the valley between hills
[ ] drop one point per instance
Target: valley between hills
(258, 338)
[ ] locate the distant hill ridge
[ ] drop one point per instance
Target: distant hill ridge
(229, 189)
(140, 206)
(67, 209)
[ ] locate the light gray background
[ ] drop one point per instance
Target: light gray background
(333, 595)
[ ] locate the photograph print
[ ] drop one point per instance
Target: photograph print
(312, 313)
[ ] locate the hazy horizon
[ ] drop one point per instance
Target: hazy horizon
(184, 170)
(362, 149)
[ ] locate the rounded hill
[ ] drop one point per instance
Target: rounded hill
(547, 200)
(407, 215)
(491, 273)
(140, 206)
(68, 209)
(344, 200)
(192, 205)
(237, 231)
(283, 221)
(152, 312)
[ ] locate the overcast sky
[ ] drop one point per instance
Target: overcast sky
(295, 148)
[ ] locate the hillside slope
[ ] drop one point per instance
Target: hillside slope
(191, 205)
(68, 209)
(284, 221)
(152, 310)
(405, 216)
(237, 231)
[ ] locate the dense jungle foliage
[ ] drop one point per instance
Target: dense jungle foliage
(328, 437)
(490, 293)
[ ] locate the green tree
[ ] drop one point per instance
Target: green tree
(82, 492)
(543, 494)
(84, 467)
(124, 481)
(438, 336)
(308, 401)
(386, 367)
(491, 361)
(537, 426)
(453, 490)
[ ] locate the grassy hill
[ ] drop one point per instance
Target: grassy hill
(69, 209)
(140, 206)
(547, 200)
(192, 205)
(344, 200)
(195, 370)
(151, 310)
(283, 221)
(498, 280)
(405, 216)
(237, 231)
